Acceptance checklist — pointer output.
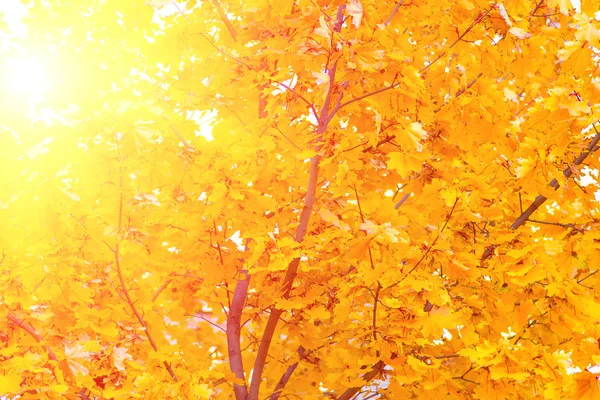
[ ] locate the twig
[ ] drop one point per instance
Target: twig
(431, 246)
(461, 91)
(205, 36)
(402, 200)
(573, 226)
(594, 272)
(462, 377)
(183, 140)
(376, 295)
(288, 374)
(537, 6)
(288, 139)
(207, 320)
(394, 11)
(160, 290)
(460, 37)
(311, 105)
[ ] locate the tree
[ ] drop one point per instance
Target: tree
(304, 199)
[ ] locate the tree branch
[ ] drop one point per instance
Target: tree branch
(29, 329)
(233, 335)
(309, 200)
(38, 338)
(541, 199)
(367, 377)
(288, 374)
(394, 11)
(311, 105)
(160, 290)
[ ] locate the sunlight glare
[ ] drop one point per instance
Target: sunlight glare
(26, 78)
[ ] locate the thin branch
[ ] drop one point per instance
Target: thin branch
(309, 200)
(288, 139)
(209, 40)
(402, 200)
(224, 18)
(187, 144)
(207, 320)
(367, 377)
(432, 244)
(364, 96)
(160, 290)
(117, 258)
(537, 6)
(394, 11)
(461, 91)
(311, 105)
(462, 377)
(38, 338)
(135, 311)
(594, 272)
(567, 172)
(233, 335)
(288, 374)
(29, 329)
(376, 295)
(376, 301)
(461, 36)
(573, 226)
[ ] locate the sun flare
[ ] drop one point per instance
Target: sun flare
(26, 78)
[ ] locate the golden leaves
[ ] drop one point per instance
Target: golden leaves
(404, 164)
(588, 386)
(10, 383)
(438, 104)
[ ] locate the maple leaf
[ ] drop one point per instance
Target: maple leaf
(118, 357)
(10, 383)
(74, 356)
(404, 164)
(355, 10)
(588, 386)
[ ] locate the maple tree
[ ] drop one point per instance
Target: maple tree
(305, 199)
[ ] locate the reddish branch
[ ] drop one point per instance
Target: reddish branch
(160, 290)
(135, 311)
(541, 199)
(29, 329)
(233, 335)
(477, 20)
(288, 374)
(38, 338)
(326, 114)
(367, 377)
(394, 11)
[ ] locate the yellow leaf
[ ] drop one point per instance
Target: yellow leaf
(588, 386)
(10, 383)
(519, 33)
(201, 391)
(404, 163)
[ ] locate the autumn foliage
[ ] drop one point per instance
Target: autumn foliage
(300, 199)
